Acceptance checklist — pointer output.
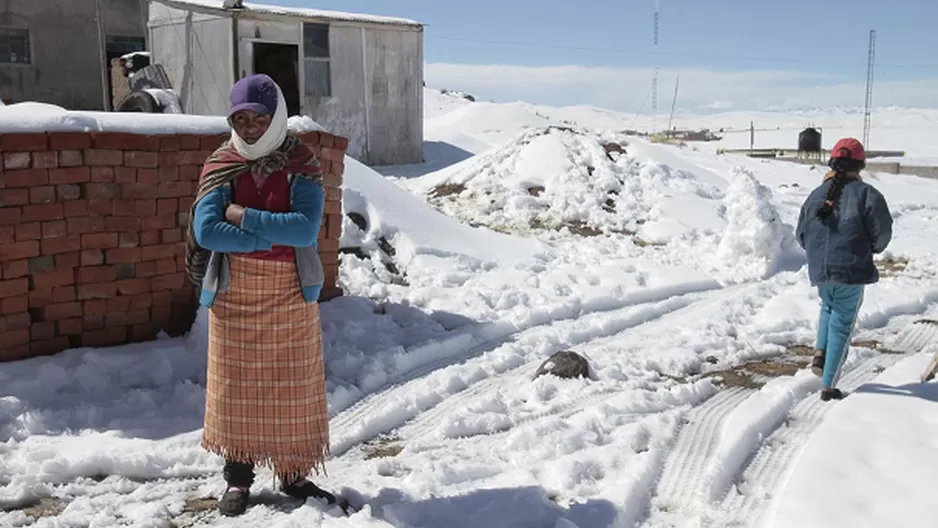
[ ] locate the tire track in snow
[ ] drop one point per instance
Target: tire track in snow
(768, 471)
(682, 478)
(391, 408)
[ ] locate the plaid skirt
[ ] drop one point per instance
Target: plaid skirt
(265, 400)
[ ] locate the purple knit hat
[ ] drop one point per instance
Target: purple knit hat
(255, 93)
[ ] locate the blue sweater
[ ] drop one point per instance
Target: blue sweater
(260, 230)
(840, 248)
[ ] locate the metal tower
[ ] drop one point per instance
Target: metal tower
(869, 90)
(654, 79)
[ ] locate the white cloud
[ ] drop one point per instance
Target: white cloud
(700, 89)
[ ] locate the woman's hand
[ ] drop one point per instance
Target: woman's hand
(234, 214)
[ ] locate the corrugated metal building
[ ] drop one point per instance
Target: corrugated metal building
(359, 76)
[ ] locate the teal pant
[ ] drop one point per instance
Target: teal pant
(840, 305)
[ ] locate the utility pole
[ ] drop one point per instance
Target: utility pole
(102, 55)
(677, 83)
(869, 90)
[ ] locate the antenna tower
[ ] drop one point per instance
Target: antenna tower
(869, 90)
(654, 79)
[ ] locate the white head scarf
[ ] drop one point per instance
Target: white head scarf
(271, 139)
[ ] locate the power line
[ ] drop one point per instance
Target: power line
(573, 47)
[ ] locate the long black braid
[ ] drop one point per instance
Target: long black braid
(841, 167)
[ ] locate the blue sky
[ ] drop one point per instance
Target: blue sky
(744, 54)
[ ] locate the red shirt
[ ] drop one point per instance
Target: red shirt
(273, 196)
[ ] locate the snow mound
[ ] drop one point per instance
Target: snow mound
(756, 240)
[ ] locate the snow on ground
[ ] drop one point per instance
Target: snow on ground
(672, 269)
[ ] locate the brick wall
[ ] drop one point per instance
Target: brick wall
(92, 236)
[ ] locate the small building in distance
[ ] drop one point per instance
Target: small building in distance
(360, 76)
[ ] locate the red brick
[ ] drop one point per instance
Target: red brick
(182, 219)
(96, 291)
(99, 241)
(309, 138)
(338, 168)
(69, 140)
(105, 338)
(71, 259)
(11, 197)
(64, 244)
(40, 298)
(191, 173)
(126, 271)
(190, 142)
(102, 191)
(15, 352)
(133, 286)
(160, 222)
(70, 158)
(44, 264)
(128, 240)
(103, 174)
(125, 141)
(117, 308)
(168, 174)
(98, 307)
(92, 257)
(14, 305)
(76, 208)
(89, 275)
(15, 269)
(148, 176)
(126, 317)
(42, 330)
(49, 347)
(325, 166)
(146, 269)
(48, 159)
(150, 237)
(47, 281)
(163, 298)
(334, 228)
(175, 189)
(100, 207)
(141, 159)
(332, 208)
(166, 266)
(56, 312)
(181, 264)
(92, 322)
(162, 251)
(141, 191)
(10, 215)
(24, 178)
(161, 313)
(68, 191)
(7, 234)
(23, 142)
(99, 157)
(169, 143)
(143, 332)
(64, 294)
(166, 206)
(124, 208)
(212, 142)
(125, 175)
(53, 229)
(329, 245)
(341, 143)
(332, 154)
(143, 300)
(39, 213)
(172, 236)
(326, 140)
(10, 288)
(87, 224)
(17, 160)
(69, 175)
(11, 338)
(20, 250)
(168, 282)
(333, 194)
(331, 179)
(14, 322)
(122, 255)
(123, 224)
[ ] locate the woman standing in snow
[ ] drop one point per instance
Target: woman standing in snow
(842, 224)
(252, 248)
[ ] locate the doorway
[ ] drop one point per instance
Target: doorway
(280, 62)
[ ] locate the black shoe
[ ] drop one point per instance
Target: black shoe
(831, 394)
(817, 363)
(303, 489)
(234, 502)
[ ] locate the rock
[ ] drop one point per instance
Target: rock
(565, 364)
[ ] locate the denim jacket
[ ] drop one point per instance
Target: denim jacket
(840, 248)
(260, 230)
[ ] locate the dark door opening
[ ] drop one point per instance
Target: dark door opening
(279, 61)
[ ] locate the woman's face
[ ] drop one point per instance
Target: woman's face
(250, 126)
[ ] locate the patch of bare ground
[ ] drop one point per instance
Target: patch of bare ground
(755, 374)
(383, 447)
(892, 266)
(43, 507)
(196, 505)
(447, 189)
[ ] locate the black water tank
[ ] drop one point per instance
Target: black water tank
(809, 140)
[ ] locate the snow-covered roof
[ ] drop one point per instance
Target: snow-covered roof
(296, 12)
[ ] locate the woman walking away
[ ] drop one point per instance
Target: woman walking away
(843, 223)
(252, 248)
